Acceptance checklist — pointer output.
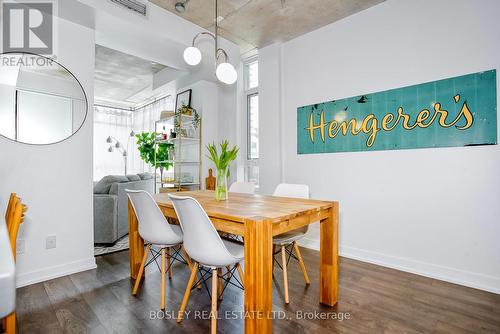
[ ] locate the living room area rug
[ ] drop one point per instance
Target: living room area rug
(119, 245)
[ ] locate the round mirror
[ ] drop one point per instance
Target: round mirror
(41, 102)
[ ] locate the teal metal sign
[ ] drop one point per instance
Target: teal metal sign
(460, 111)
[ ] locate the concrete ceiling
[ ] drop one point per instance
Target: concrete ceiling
(257, 23)
(123, 80)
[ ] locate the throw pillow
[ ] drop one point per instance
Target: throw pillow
(133, 177)
(145, 176)
(103, 186)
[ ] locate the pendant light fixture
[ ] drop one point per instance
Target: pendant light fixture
(224, 70)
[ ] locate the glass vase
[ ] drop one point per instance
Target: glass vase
(221, 185)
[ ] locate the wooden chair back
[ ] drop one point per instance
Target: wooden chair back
(10, 205)
(210, 180)
(10, 209)
(15, 217)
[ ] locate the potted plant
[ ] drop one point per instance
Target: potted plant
(222, 162)
(189, 111)
(146, 147)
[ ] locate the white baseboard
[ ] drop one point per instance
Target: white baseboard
(452, 275)
(49, 273)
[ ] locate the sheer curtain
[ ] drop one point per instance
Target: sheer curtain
(143, 120)
(119, 123)
(115, 123)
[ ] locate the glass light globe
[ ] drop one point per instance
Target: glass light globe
(192, 56)
(226, 73)
(111, 149)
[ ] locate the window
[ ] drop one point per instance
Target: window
(253, 126)
(253, 75)
(252, 119)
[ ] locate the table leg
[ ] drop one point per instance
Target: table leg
(136, 244)
(258, 276)
(329, 262)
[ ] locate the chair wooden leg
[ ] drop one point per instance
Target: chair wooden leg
(240, 273)
(228, 268)
(274, 251)
(219, 281)
(285, 274)
(188, 259)
(190, 264)
(213, 314)
(192, 277)
(169, 263)
(162, 295)
(301, 262)
(141, 270)
(10, 323)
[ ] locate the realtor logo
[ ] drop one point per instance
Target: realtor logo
(27, 27)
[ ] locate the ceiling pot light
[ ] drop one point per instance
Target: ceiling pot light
(226, 73)
(192, 56)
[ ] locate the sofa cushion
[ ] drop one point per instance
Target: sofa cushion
(133, 177)
(103, 186)
(145, 176)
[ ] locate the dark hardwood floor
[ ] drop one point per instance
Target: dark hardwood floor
(376, 300)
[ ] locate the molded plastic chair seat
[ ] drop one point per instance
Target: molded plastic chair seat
(163, 240)
(206, 248)
(288, 237)
(236, 249)
(153, 226)
(201, 240)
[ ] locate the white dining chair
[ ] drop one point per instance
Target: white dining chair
(207, 250)
(287, 242)
(157, 233)
(242, 187)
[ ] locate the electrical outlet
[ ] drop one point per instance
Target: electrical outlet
(20, 246)
(50, 242)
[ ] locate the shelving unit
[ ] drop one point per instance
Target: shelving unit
(185, 173)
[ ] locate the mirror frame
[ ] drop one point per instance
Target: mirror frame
(74, 77)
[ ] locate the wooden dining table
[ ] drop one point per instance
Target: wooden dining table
(257, 218)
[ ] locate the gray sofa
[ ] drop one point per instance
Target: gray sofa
(111, 204)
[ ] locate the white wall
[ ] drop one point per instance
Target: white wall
(270, 94)
(55, 181)
(216, 104)
(434, 212)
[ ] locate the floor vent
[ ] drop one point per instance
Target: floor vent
(132, 5)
